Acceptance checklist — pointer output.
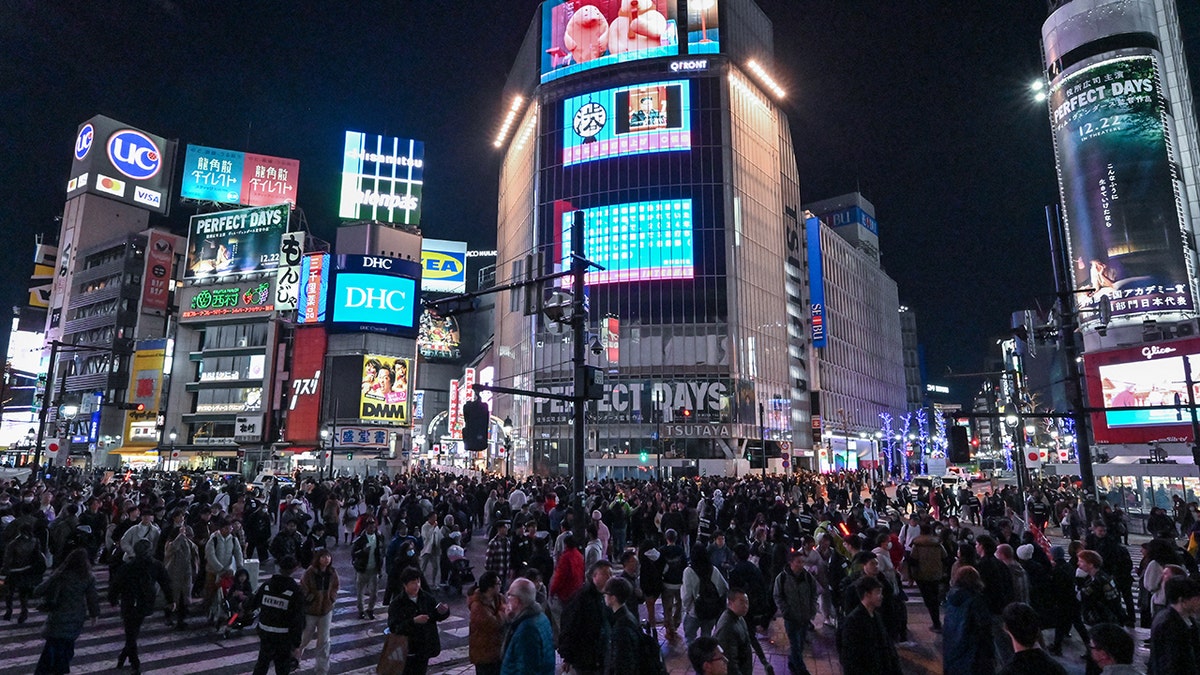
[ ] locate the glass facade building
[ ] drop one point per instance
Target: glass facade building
(684, 170)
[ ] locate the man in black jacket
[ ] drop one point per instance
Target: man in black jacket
(997, 591)
(367, 556)
(415, 613)
(621, 657)
(583, 638)
(287, 542)
(135, 587)
(1022, 627)
(281, 621)
(1173, 642)
(864, 626)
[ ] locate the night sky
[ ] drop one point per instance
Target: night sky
(924, 107)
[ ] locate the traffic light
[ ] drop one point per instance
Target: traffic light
(475, 425)
(349, 456)
(684, 414)
(960, 449)
(136, 407)
(644, 457)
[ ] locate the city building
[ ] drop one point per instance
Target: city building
(859, 374)
(23, 368)
(672, 144)
(915, 391)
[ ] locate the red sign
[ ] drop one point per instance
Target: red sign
(1151, 376)
(156, 281)
(611, 338)
(269, 180)
(304, 395)
(455, 409)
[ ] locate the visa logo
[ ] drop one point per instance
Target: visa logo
(440, 265)
(148, 197)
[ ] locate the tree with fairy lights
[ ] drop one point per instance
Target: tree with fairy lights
(886, 429)
(904, 436)
(923, 431)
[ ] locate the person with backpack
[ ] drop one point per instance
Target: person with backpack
(735, 637)
(702, 595)
(795, 592)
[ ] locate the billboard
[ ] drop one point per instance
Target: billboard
(382, 178)
(232, 177)
(287, 278)
(235, 242)
(384, 394)
(304, 395)
(640, 241)
(1149, 376)
(439, 338)
(711, 400)
(118, 162)
(314, 275)
(372, 292)
(160, 268)
(818, 331)
(579, 35)
(227, 301)
(443, 266)
(1119, 187)
(704, 28)
(635, 120)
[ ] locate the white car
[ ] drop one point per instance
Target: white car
(260, 486)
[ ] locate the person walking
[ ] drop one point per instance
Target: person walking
(1173, 647)
(530, 646)
(319, 587)
(734, 635)
(498, 558)
(367, 556)
(1021, 625)
(674, 562)
(866, 645)
(926, 566)
(70, 598)
(136, 587)
(222, 557)
(624, 633)
(582, 640)
(415, 613)
(967, 644)
(485, 640)
(568, 578)
(795, 592)
(702, 595)
(182, 560)
(280, 621)
(23, 567)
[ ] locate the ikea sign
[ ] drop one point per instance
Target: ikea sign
(444, 266)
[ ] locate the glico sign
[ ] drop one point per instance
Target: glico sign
(1144, 391)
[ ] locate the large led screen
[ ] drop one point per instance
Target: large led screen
(704, 32)
(376, 293)
(1149, 382)
(578, 35)
(642, 241)
(646, 118)
(235, 242)
(384, 393)
(382, 178)
(1119, 188)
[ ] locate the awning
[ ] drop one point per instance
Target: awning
(137, 451)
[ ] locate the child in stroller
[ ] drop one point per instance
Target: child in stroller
(461, 573)
(232, 594)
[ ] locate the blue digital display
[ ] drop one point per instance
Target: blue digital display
(642, 241)
(379, 299)
(653, 117)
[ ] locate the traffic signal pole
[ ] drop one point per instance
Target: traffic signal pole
(579, 265)
(46, 403)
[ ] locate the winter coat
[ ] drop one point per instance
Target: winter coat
(424, 640)
(861, 628)
(136, 586)
(222, 554)
(583, 637)
(485, 640)
(568, 575)
(320, 590)
(360, 554)
(182, 557)
(530, 646)
(69, 602)
(734, 637)
(796, 596)
(967, 647)
(621, 657)
(925, 560)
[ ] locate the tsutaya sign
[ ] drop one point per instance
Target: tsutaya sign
(635, 401)
(698, 431)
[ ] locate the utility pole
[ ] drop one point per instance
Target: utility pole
(579, 266)
(46, 403)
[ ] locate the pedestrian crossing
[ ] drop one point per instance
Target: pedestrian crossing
(200, 648)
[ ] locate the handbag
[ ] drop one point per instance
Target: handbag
(394, 656)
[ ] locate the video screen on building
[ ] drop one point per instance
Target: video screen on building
(1119, 189)
(1151, 377)
(654, 117)
(704, 30)
(579, 35)
(235, 242)
(641, 241)
(384, 393)
(382, 178)
(376, 293)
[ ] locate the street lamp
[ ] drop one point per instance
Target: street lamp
(171, 436)
(508, 445)
(325, 446)
(876, 470)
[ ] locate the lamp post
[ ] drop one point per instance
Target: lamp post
(877, 470)
(325, 446)
(508, 445)
(172, 436)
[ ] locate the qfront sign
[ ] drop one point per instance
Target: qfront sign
(119, 162)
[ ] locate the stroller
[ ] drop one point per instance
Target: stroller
(461, 573)
(228, 613)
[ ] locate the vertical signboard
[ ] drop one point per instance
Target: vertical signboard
(314, 276)
(304, 401)
(610, 338)
(287, 279)
(816, 284)
(384, 396)
(453, 412)
(160, 266)
(1120, 187)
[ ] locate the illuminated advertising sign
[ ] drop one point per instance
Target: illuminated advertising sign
(439, 338)
(235, 242)
(243, 400)
(579, 35)
(633, 401)
(454, 413)
(642, 241)
(208, 302)
(362, 437)
(1119, 187)
(314, 273)
(145, 387)
(287, 279)
(384, 395)
(373, 292)
(382, 178)
(816, 283)
(118, 162)
(1150, 376)
(635, 120)
(304, 395)
(443, 266)
(851, 216)
(704, 29)
(610, 338)
(232, 177)
(156, 280)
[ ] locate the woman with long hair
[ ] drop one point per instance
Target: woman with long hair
(320, 586)
(70, 599)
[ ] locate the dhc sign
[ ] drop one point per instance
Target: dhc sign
(379, 299)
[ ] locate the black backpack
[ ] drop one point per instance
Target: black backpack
(650, 658)
(709, 603)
